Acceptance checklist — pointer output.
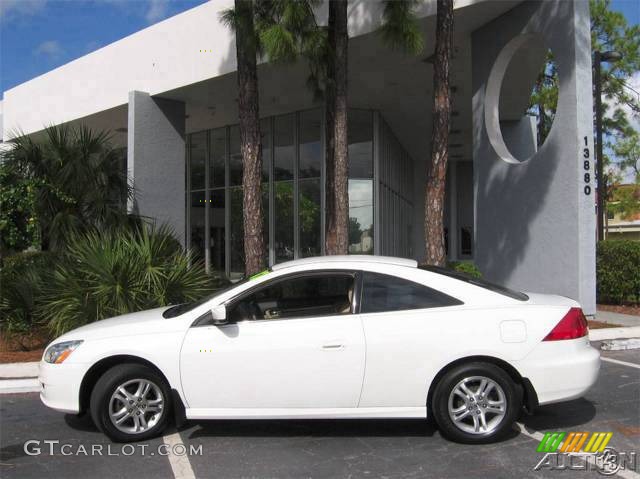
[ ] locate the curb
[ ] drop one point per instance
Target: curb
(11, 386)
(614, 333)
(19, 370)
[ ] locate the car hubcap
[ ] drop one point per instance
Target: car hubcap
(136, 406)
(477, 405)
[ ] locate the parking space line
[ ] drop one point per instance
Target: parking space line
(624, 363)
(538, 436)
(180, 465)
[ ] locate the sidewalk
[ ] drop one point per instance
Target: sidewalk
(630, 326)
(617, 318)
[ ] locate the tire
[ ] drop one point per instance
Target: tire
(479, 418)
(109, 403)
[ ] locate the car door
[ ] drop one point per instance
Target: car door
(404, 323)
(292, 342)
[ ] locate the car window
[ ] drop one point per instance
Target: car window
(297, 297)
(383, 292)
(481, 283)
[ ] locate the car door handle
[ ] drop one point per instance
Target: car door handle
(332, 346)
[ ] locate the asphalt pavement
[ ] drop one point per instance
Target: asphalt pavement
(318, 449)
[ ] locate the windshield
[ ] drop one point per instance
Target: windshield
(496, 288)
(180, 309)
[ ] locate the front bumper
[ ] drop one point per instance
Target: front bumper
(60, 385)
(561, 370)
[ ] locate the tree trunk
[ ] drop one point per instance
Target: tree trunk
(329, 109)
(437, 169)
(341, 150)
(250, 141)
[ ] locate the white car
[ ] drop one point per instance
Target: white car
(330, 337)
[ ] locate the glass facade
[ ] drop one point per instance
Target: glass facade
(293, 193)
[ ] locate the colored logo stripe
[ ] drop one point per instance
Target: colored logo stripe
(574, 442)
(551, 441)
(598, 441)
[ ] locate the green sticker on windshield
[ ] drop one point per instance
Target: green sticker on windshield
(257, 275)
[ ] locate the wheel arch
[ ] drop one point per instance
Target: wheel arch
(529, 396)
(98, 369)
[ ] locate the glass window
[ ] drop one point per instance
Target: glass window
(389, 293)
(309, 222)
(236, 246)
(310, 146)
(216, 229)
(360, 133)
(197, 223)
(283, 220)
(464, 202)
(297, 297)
(361, 216)
(198, 151)
(265, 132)
(283, 139)
(265, 221)
(235, 157)
(218, 150)
(496, 288)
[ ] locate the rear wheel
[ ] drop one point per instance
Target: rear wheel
(476, 403)
(130, 402)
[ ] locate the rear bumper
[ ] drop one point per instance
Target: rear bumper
(60, 386)
(561, 370)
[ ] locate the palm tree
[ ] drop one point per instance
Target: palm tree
(338, 227)
(400, 26)
(78, 180)
(243, 19)
(437, 169)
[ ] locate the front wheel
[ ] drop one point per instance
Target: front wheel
(476, 403)
(130, 402)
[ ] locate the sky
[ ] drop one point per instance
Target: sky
(37, 36)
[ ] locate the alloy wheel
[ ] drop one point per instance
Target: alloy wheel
(477, 405)
(136, 406)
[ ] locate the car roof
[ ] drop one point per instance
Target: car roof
(353, 258)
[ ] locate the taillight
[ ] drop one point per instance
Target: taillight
(572, 326)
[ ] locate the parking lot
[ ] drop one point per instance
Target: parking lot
(279, 449)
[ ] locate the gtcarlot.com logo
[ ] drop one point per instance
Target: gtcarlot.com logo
(583, 451)
(52, 447)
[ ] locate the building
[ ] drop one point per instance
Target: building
(523, 212)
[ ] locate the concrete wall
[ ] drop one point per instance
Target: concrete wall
(535, 224)
(156, 159)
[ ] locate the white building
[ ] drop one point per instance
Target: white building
(524, 214)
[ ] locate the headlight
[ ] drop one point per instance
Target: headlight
(57, 353)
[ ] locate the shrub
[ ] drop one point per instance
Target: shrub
(107, 274)
(21, 282)
(465, 267)
(618, 271)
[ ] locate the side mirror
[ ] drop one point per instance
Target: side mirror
(219, 315)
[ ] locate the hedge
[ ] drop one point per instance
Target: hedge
(618, 271)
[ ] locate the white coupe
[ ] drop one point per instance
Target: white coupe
(329, 337)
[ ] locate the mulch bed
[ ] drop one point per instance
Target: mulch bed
(20, 356)
(601, 325)
(633, 310)
(23, 349)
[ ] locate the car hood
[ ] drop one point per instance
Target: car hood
(144, 322)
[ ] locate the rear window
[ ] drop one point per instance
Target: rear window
(495, 288)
